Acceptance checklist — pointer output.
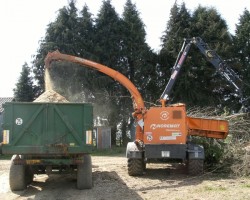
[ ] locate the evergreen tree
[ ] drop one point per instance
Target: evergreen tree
(242, 50)
(86, 31)
(24, 91)
(107, 50)
(76, 82)
(136, 63)
(209, 25)
(197, 79)
(178, 28)
(92, 80)
(138, 60)
(62, 35)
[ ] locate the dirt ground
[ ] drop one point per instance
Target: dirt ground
(111, 181)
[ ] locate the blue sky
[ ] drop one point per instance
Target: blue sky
(24, 22)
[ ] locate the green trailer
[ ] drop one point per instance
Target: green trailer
(47, 138)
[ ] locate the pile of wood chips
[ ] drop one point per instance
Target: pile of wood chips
(51, 96)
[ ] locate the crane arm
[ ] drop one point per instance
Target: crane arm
(138, 102)
(175, 71)
(220, 65)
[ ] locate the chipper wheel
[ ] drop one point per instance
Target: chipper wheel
(17, 179)
(136, 166)
(84, 173)
(195, 166)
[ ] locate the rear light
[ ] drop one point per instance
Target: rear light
(89, 137)
(6, 136)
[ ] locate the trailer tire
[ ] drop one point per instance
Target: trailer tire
(136, 167)
(17, 176)
(195, 166)
(84, 173)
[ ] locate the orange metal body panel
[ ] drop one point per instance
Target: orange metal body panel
(211, 128)
(165, 125)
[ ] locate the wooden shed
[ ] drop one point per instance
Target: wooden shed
(102, 137)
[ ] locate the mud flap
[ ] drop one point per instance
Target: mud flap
(133, 151)
(195, 151)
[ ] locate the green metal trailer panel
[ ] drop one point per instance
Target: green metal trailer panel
(47, 128)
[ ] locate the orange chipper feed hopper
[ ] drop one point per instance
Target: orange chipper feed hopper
(211, 128)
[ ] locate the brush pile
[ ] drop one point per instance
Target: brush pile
(232, 154)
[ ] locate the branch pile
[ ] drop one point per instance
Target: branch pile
(234, 151)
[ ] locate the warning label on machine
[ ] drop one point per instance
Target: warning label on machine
(167, 137)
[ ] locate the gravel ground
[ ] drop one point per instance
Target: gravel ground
(111, 181)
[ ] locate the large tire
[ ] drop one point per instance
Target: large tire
(136, 167)
(84, 173)
(17, 179)
(195, 167)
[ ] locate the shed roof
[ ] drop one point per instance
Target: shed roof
(4, 100)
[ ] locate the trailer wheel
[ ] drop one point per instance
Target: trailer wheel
(84, 173)
(195, 166)
(17, 176)
(136, 167)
